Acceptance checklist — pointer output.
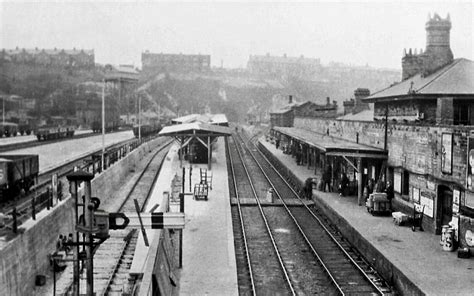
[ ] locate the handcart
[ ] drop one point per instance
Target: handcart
(200, 191)
(377, 203)
(417, 217)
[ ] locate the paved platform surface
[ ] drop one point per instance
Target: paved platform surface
(418, 255)
(209, 266)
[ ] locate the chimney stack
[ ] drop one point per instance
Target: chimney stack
(290, 99)
(328, 101)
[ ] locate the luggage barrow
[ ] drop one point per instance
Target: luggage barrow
(377, 203)
(417, 219)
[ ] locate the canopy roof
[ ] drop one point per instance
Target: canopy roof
(331, 145)
(206, 118)
(195, 128)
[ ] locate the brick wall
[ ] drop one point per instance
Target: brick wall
(414, 148)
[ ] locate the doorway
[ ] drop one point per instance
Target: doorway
(445, 205)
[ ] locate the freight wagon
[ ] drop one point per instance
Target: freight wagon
(17, 173)
(147, 130)
(53, 132)
(8, 129)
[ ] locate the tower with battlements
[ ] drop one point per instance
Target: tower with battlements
(437, 53)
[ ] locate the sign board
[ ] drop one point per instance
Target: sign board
(427, 201)
(447, 153)
(397, 182)
(416, 195)
(470, 164)
(456, 200)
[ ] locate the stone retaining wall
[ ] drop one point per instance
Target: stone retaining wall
(26, 256)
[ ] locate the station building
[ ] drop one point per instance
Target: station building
(423, 125)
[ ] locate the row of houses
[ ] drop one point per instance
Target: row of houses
(418, 134)
(49, 57)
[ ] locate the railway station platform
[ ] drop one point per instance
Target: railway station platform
(414, 260)
(209, 265)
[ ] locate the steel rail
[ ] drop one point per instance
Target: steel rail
(285, 271)
(322, 225)
(241, 222)
(165, 145)
(315, 253)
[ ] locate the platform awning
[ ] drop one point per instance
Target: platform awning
(195, 129)
(332, 146)
(202, 132)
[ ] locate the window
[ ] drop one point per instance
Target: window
(461, 114)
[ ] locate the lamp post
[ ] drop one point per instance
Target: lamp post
(3, 110)
(139, 118)
(103, 124)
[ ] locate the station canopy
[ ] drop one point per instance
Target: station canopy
(201, 132)
(195, 129)
(332, 146)
(219, 119)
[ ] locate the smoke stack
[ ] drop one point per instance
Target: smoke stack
(290, 99)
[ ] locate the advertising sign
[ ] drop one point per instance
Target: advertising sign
(397, 182)
(416, 195)
(447, 153)
(470, 164)
(456, 200)
(427, 200)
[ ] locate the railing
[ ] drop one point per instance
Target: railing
(39, 201)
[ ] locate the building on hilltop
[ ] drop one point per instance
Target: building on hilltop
(437, 53)
(283, 66)
(50, 57)
(162, 62)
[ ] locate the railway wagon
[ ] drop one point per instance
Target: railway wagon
(8, 129)
(147, 129)
(46, 133)
(110, 126)
(25, 128)
(17, 173)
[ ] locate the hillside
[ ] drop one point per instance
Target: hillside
(236, 93)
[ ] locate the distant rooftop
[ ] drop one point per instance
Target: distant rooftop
(284, 59)
(54, 51)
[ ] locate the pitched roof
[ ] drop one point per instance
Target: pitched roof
(206, 118)
(331, 145)
(34, 51)
(195, 128)
(456, 78)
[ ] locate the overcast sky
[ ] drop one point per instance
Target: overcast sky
(358, 33)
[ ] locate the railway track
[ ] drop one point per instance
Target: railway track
(113, 258)
(120, 281)
(335, 267)
(23, 205)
